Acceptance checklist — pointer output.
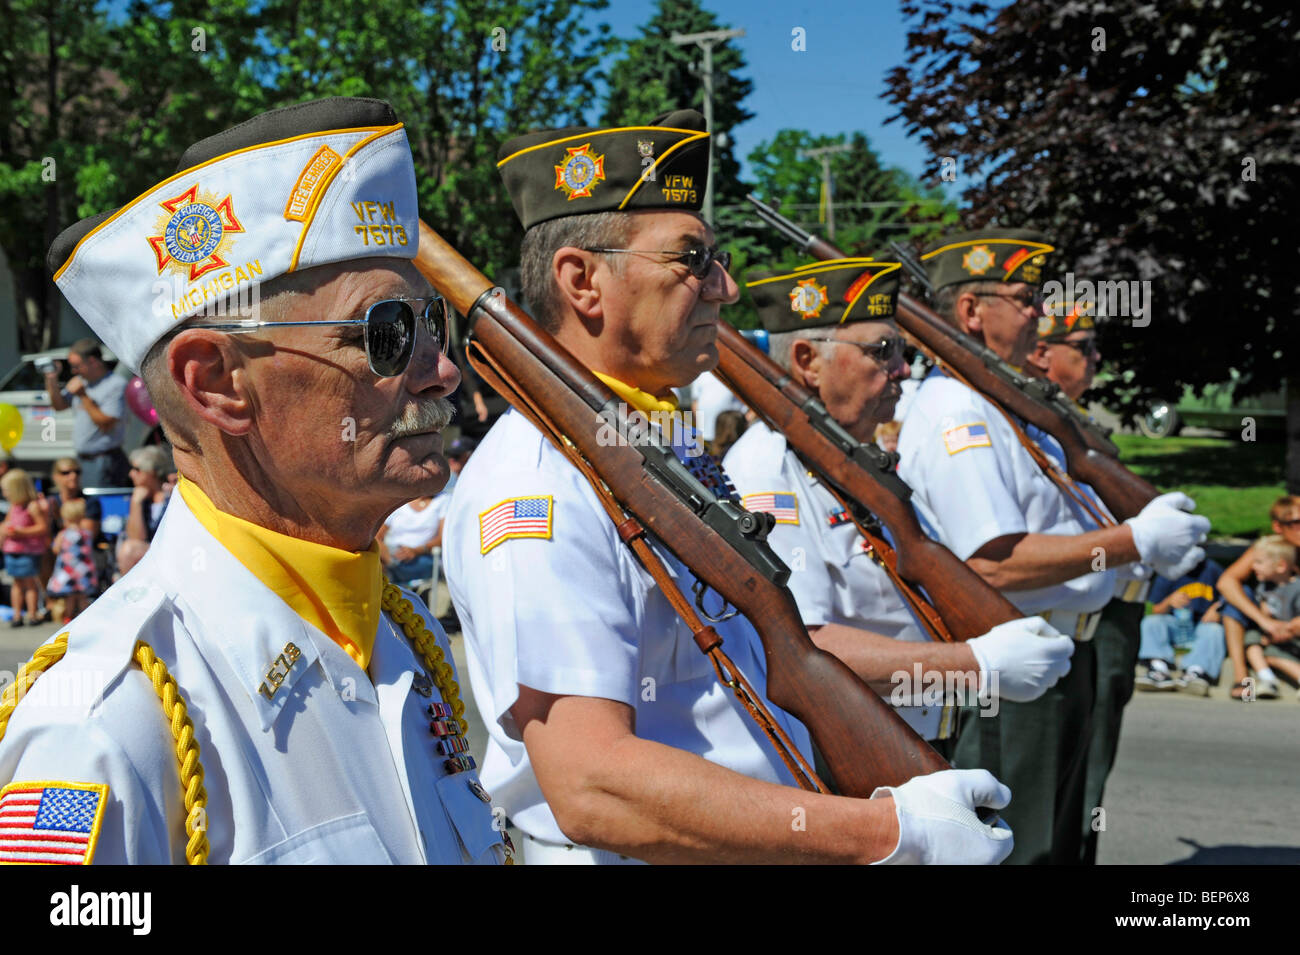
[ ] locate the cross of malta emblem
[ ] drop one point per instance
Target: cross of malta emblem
(195, 234)
(808, 298)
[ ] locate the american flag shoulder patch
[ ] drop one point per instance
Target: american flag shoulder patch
(51, 823)
(975, 434)
(515, 517)
(782, 505)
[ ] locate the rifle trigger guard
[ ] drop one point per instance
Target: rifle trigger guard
(700, 588)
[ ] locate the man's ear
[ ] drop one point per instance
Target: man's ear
(1038, 357)
(806, 362)
(207, 368)
(968, 318)
(575, 275)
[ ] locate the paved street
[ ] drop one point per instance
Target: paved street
(1204, 782)
(1198, 781)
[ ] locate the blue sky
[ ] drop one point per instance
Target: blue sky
(836, 86)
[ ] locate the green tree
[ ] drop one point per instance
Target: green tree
(1153, 142)
(52, 112)
(116, 101)
(463, 76)
(99, 110)
(656, 76)
(874, 203)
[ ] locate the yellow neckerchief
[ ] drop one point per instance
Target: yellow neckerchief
(664, 412)
(642, 401)
(336, 591)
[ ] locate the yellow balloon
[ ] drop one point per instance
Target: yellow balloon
(11, 426)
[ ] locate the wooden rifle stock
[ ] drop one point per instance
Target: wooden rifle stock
(968, 606)
(861, 739)
(1089, 458)
(1122, 491)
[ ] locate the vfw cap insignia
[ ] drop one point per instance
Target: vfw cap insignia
(195, 232)
(579, 172)
(808, 298)
(978, 260)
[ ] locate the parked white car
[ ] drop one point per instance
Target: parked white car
(47, 434)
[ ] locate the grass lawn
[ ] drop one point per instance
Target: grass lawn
(1234, 482)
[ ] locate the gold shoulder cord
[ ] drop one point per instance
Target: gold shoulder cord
(187, 747)
(399, 609)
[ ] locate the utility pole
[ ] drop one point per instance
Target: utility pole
(706, 41)
(825, 153)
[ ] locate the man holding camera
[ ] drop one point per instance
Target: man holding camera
(98, 401)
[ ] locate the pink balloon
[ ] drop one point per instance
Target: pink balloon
(138, 400)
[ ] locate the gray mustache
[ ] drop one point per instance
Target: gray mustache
(423, 417)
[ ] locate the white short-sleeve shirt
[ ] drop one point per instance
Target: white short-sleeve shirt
(833, 578)
(973, 482)
(569, 611)
(335, 766)
(414, 527)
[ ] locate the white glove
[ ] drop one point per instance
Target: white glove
(1027, 655)
(937, 824)
(1166, 535)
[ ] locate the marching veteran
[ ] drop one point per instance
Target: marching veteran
(611, 739)
(992, 505)
(830, 325)
(254, 690)
(1066, 353)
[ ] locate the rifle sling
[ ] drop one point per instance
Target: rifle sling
(883, 554)
(634, 536)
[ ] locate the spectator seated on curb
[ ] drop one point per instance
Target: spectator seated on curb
(1233, 586)
(1184, 612)
(408, 539)
(411, 539)
(1278, 594)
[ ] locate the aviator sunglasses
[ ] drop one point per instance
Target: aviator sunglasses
(390, 330)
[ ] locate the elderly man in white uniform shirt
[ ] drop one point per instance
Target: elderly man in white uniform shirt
(611, 739)
(990, 503)
(254, 691)
(831, 326)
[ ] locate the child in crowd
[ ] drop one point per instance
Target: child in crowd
(26, 535)
(887, 435)
(1186, 611)
(1278, 597)
(74, 577)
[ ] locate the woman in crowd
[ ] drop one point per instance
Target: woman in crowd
(150, 466)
